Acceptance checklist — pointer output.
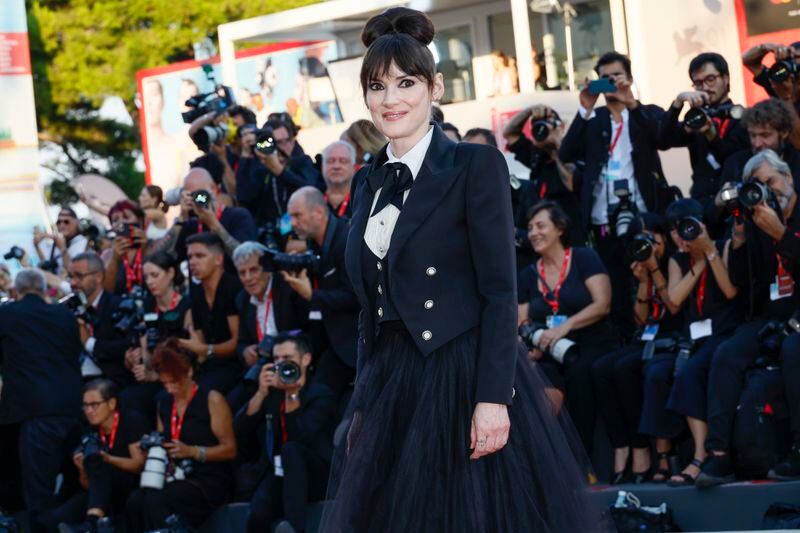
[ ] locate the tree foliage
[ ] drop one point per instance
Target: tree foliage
(86, 50)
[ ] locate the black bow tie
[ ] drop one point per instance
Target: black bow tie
(393, 179)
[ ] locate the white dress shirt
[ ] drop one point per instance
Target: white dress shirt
(380, 226)
(618, 167)
(261, 310)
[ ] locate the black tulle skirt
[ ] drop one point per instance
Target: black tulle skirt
(408, 469)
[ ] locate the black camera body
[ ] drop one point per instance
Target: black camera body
(771, 337)
(640, 247)
(270, 236)
(154, 439)
(217, 101)
(129, 315)
(744, 196)
(15, 253)
(275, 261)
(209, 135)
(78, 304)
(697, 117)
(91, 446)
(288, 372)
(782, 70)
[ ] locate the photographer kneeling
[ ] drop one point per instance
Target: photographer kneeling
(196, 441)
(296, 418)
(108, 460)
(564, 300)
(631, 408)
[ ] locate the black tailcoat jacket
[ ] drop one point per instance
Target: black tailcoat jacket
(451, 259)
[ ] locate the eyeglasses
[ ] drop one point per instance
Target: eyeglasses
(708, 80)
(91, 406)
(283, 142)
(80, 275)
(65, 221)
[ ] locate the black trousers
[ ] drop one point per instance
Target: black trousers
(725, 381)
(657, 420)
(790, 359)
(618, 388)
(44, 443)
(109, 489)
(612, 251)
(690, 392)
(148, 509)
(305, 480)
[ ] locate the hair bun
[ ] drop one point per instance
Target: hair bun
(403, 20)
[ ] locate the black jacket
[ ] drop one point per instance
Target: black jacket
(454, 245)
(333, 296)
(110, 345)
(587, 142)
(40, 351)
(291, 312)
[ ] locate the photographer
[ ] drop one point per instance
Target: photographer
(267, 305)
(766, 268)
(267, 177)
(165, 300)
(789, 468)
(550, 179)
(123, 263)
(102, 342)
(296, 419)
(632, 407)
(338, 168)
(209, 132)
(709, 129)
(330, 296)
(41, 387)
(566, 293)
(200, 444)
(214, 319)
(65, 243)
(752, 59)
(109, 461)
(698, 281)
(201, 212)
(618, 145)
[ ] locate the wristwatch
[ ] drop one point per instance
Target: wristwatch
(710, 257)
(210, 351)
(293, 397)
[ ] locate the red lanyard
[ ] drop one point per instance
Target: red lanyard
(172, 304)
(284, 432)
(113, 436)
(542, 189)
(658, 310)
(722, 126)
(617, 136)
(133, 274)
(261, 331)
(219, 216)
(177, 424)
(343, 206)
(562, 276)
(781, 269)
(701, 289)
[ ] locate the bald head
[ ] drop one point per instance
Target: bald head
(309, 213)
(199, 179)
(310, 197)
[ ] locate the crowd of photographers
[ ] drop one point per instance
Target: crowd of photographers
(214, 353)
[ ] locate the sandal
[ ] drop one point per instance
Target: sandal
(665, 473)
(686, 479)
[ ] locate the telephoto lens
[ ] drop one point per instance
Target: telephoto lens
(155, 466)
(689, 228)
(564, 351)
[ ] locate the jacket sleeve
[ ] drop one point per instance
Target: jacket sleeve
(573, 144)
(249, 180)
(648, 118)
(670, 132)
(301, 172)
(490, 231)
(304, 424)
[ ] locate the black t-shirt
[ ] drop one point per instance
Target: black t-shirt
(172, 321)
(237, 221)
(132, 426)
(213, 322)
(572, 297)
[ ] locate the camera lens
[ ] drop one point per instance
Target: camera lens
(265, 142)
(752, 193)
(640, 247)
(780, 72)
(689, 228)
(540, 130)
(695, 118)
(201, 198)
(288, 372)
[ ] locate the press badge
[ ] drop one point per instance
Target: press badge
(285, 224)
(613, 170)
(782, 288)
(553, 321)
(315, 315)
(700, 329)
(278, 466)
(650, 332)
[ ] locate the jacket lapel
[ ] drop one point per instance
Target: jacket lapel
(437, 174)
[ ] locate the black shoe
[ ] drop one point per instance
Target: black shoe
(716, 470)
(87, 526)
(789, 468)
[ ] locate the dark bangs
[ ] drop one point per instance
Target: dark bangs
(408, 54)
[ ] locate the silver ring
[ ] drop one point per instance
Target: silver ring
(481, 443)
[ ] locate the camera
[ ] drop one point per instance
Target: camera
(274, 261)
(624, 213)
(78, 303)
(183, 469)
(15, 253)
(640, 247)
(129, 315)
(208, 135)
(264, 350)
(697, 117)
(155, 466)
(201, 198)
(91, 446)
(684, 349)
(265, 141)
(771, 336)
(689, 228)
(173, 196)
(782, 70)
(564, 351)
(217, 101)
(752, 193)
(540, 130)
(269, 235)
(159, 326)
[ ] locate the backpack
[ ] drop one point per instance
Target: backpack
(761, 435)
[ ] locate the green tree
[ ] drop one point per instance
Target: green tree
(86, 50)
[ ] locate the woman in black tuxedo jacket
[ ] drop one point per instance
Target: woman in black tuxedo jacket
(451, 429)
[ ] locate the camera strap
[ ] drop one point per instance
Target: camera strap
(342, 207)
(262, 330)
(175, 423)
(113, 437)
(133, 274)
(657, 307)
(220, 209)
(284, 431)
(700, 296)
(553, 303)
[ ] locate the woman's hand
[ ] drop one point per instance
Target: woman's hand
(178, 450)
(133, 357)
(640, 271)
(535, 354)
(553, 335)
(490, 426)
(140, 373)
